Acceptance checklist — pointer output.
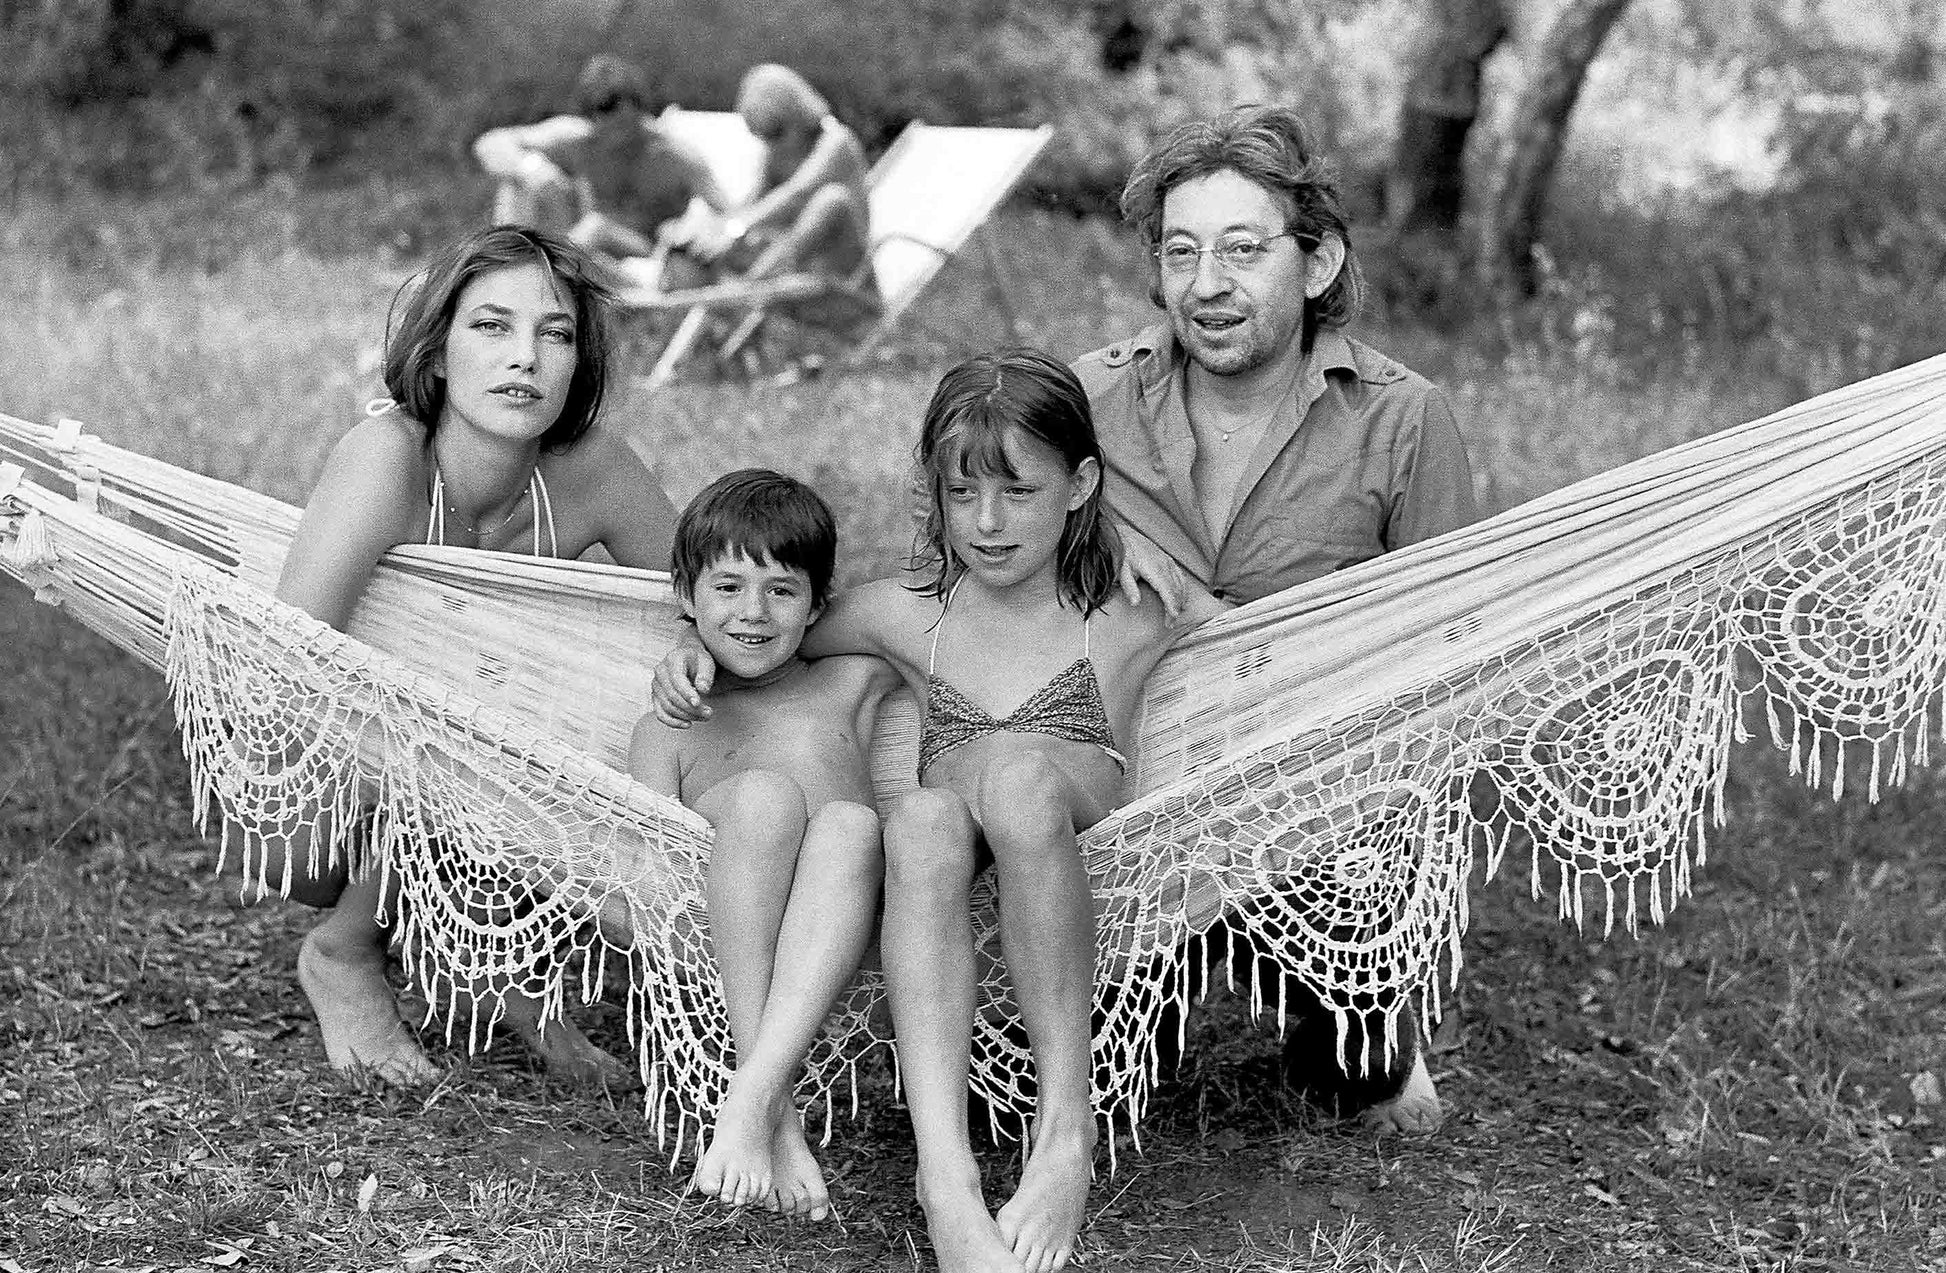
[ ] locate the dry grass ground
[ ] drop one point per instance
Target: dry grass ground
(1752, 1087)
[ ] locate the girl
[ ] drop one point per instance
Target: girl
(496, 364)
(1029, 666)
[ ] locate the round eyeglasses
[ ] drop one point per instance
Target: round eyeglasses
(1239, 251)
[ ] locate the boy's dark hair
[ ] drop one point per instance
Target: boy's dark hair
(964, 432)
(763, 515)
(421, 319)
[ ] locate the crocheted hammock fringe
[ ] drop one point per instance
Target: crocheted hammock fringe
(1321, 771)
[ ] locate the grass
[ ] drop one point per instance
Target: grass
(1742, 1089)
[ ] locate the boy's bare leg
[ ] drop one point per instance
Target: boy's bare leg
(341, 967)
(826, 926)
(1047, 934)
(759, 819)
(927, 941)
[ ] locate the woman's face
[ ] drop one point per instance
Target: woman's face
(510, 355)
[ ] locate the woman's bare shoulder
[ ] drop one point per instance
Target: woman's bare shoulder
(384, 453)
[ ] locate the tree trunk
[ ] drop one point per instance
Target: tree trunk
(1425, 187)
(1538, 126)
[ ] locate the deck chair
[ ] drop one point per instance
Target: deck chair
(931, 192)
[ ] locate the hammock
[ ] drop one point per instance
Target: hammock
(1321, 769)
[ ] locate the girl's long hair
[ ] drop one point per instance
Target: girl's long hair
(965, 430)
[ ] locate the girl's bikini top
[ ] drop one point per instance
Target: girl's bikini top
(1068, 707)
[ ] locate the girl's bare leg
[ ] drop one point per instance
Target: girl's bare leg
(759, 819)
(1047, 934)
(927, 942)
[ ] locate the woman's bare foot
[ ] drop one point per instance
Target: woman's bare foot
(568, 1054)
(1042, 1219)
(358, 1014)
(964, 1237)
(736, 1168)
(795, 1175)
(1414, 1110)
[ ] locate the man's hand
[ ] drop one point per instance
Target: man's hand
(682, 680)
(1144, 563)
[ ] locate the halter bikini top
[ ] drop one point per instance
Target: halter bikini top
(1068, 707)
(536, 491)
(436, 517)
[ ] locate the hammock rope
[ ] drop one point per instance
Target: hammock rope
(1322, 770)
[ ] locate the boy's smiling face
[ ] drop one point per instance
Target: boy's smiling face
(751, 615)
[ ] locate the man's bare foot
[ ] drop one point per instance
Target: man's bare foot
(964, 1237)
(795, 1175)
(1414, 1110)
(358, 1015)
(736, 1167)
(1044, 1216)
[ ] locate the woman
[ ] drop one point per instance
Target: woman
(496, 363)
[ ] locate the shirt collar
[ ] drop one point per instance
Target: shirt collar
(1331, 351)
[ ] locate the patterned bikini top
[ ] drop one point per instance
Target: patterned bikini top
(1069, 707)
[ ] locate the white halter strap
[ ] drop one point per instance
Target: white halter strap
(536, 491)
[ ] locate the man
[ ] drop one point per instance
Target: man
(609, 176)
(1251, 446)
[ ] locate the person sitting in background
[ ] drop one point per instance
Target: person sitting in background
(609, 177)
(810, 213)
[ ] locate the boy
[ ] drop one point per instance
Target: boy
(782, 771)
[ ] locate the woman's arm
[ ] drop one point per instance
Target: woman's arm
(825, 164)
(356, 512)
(634, 518)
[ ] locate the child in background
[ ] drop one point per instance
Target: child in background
(1029, 665)
(782, 772)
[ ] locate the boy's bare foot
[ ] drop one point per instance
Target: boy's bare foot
(358, 1014)
(1414, 1110)
(795, 1174)
(964, 1237)
(1044, 1216)
(736, 1167)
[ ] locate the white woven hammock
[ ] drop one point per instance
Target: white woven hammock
(1314, 766)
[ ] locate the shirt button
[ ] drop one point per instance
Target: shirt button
(1221, 594)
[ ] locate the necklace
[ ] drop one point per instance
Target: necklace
(484, 528)
(1224, 435)
(536, 492)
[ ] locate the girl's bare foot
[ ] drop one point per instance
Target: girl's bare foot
(1041, 1221)
(358, 1014)
(796, 1176)
(736, 1167)
(1415, 1109)
(964, 1237)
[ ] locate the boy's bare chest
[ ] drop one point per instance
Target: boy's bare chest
(815, 739)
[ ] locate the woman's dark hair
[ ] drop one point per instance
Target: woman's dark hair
(972, 410)
(421, 318)
(1270, 146)
(763, 515)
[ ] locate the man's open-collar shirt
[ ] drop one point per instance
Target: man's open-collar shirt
(1364, 458)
